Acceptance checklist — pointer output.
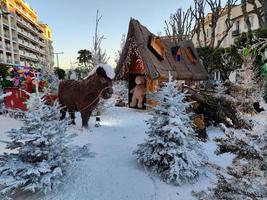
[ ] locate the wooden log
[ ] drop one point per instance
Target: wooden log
(217, 109)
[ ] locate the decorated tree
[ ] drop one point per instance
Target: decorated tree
(246, 178)
(40, 153)
(171, 150)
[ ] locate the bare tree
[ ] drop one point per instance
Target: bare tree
(98, 54)
(264, 8)
(259, 10)
(179, 26)
(228, 22)
(199, 15)
(244, 4)
(217, 11)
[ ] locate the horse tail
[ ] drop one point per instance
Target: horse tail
(60, 92)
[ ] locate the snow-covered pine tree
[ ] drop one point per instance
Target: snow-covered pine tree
(246, 177)
(40, 151)
(120, 93)
(171, 150)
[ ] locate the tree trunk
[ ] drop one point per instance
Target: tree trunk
(264, 6)
(218, 109)
(246, 18)
(259, 13)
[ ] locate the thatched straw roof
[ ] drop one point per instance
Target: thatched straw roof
(156, 68)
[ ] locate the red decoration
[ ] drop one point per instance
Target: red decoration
(139, 65)
(17, 100)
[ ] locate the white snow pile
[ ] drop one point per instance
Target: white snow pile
(108, 69)
(5, 95)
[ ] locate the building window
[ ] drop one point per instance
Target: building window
(217, 75)
(237, 26)
(251, 19)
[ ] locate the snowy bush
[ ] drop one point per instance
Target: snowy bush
(246, 178)
(171, 150)
(120, 93)
(40, 151)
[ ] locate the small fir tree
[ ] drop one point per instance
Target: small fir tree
(171, 150)
(245, 178)
(120, 93)
(40, 151)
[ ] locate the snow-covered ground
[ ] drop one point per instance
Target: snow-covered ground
(112, 173)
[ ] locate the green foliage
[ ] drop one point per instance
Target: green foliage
(213, 59)
(3, 75)
(85, 57)
(242, 42)
(3, 71)
(60, 73)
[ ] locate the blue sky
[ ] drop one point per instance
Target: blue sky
(73, 22)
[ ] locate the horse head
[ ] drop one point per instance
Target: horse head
(105, 75)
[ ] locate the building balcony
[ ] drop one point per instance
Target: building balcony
(28, 45)
(27, 25)
(8, 48)
(7, 35)
(9, 61)
(13, 26)
(236, 32)
(28, 36)
(5, 21)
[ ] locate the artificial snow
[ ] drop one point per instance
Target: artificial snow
(108, 69)
(113, 173)
(5, 95)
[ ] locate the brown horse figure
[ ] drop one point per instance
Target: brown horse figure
(83, 95)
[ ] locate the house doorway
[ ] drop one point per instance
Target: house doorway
(132, 84)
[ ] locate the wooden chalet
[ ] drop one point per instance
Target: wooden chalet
(155, 57)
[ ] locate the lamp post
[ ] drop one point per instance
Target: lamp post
(57, 57)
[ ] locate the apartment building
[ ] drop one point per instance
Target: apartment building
(239, 26)
(23, 39)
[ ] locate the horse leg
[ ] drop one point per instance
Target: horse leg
(72, 116)
(63, 113)
(85, 118)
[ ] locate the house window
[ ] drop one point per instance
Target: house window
(190, 55)
(157, 47)
(179, 55)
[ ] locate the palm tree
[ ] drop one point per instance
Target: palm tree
(85, 57)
